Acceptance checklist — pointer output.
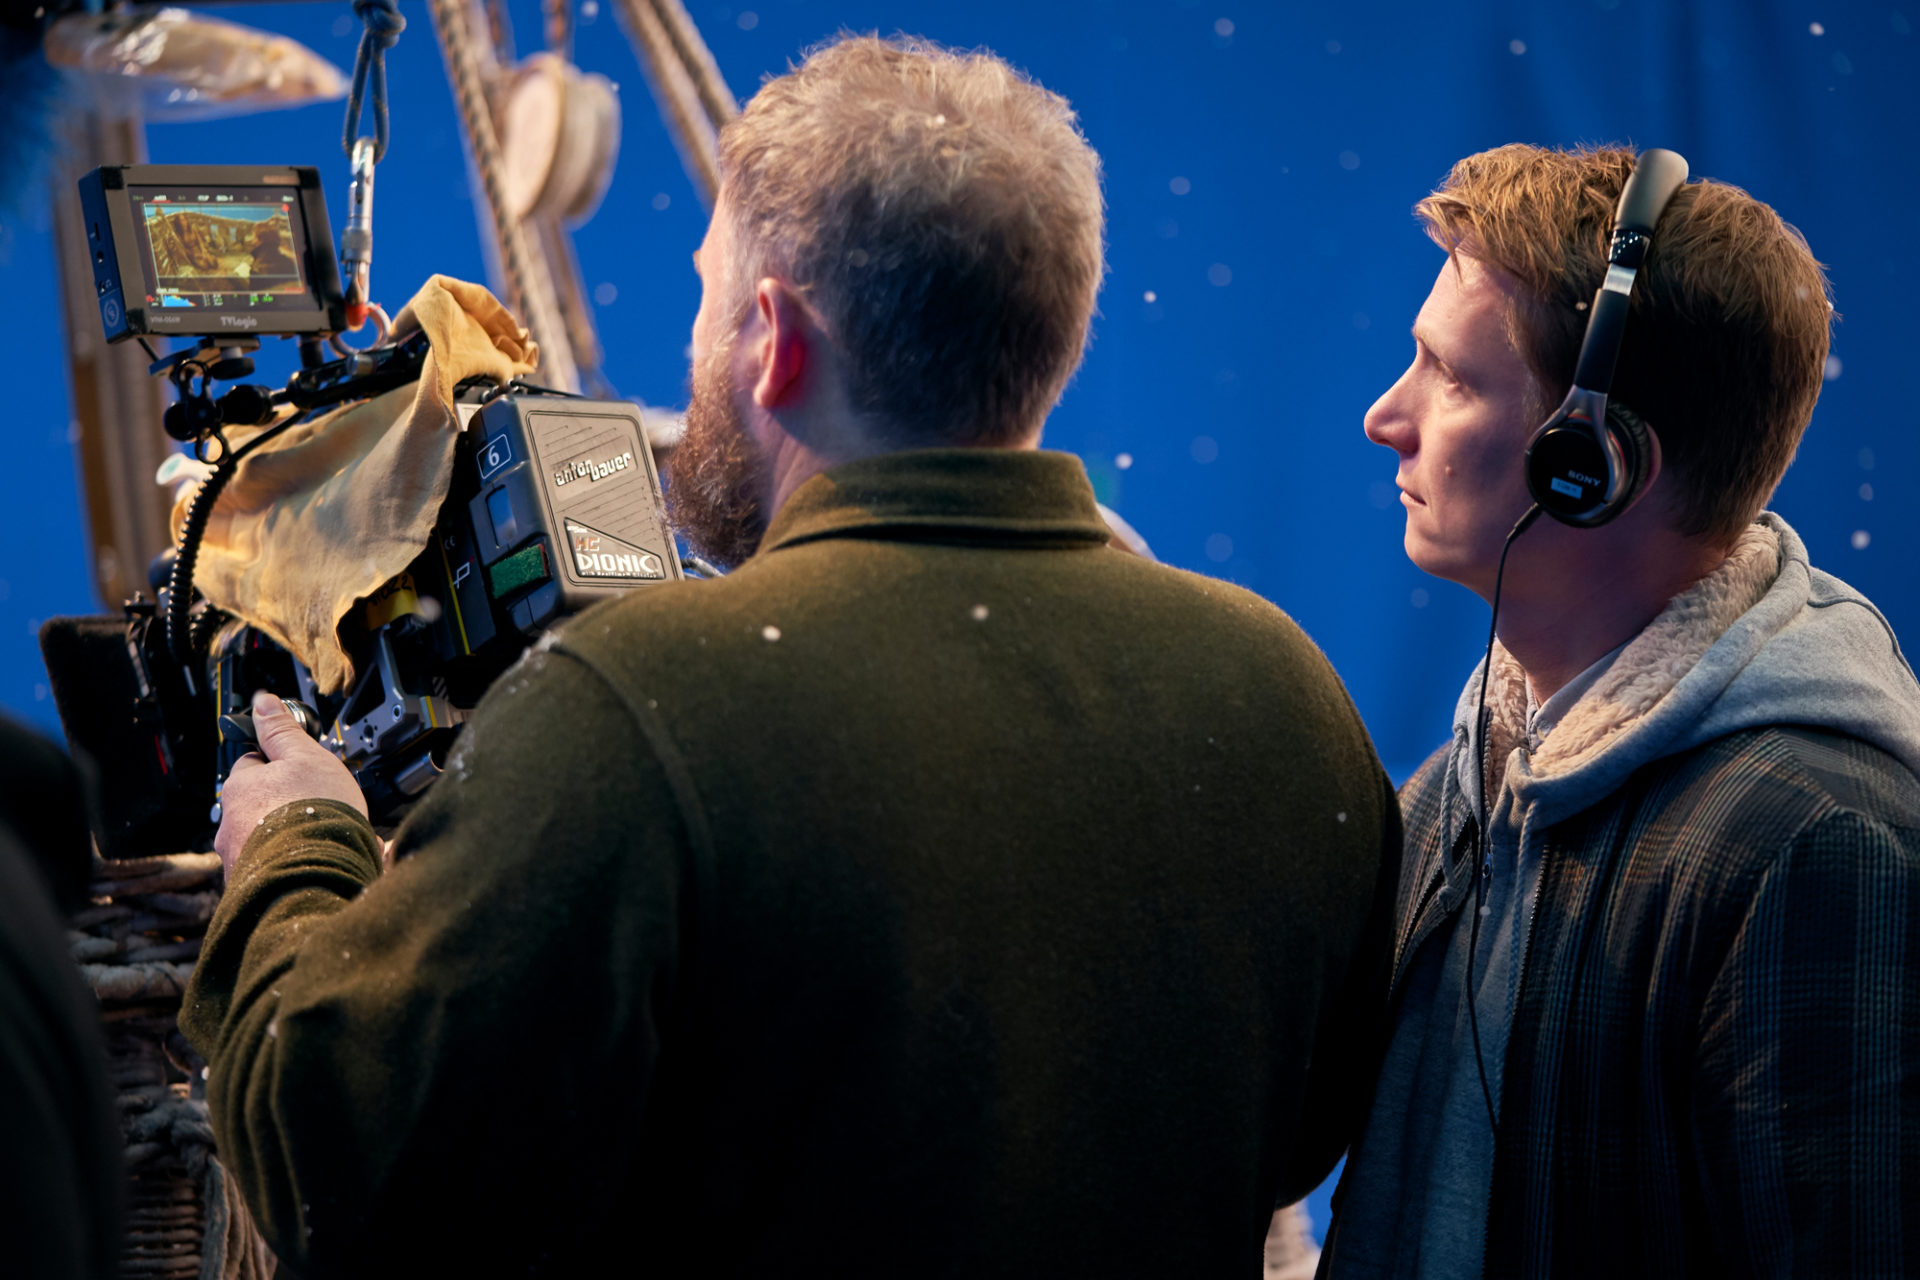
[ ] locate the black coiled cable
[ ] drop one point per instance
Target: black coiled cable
(180, 580)
(1484, 870)
(185, 637)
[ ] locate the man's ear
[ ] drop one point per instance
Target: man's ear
(784, 344)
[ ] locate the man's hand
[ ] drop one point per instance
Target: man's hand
(296, 768)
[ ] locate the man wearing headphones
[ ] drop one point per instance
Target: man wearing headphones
(1654, 996)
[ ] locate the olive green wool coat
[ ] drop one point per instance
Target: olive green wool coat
(942, 893)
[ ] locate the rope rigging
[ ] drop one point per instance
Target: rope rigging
(383, 27)
(531, 291)
(692, 96)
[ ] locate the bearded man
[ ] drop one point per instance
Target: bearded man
(941, 892)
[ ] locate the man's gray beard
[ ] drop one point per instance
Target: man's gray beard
(714, 476)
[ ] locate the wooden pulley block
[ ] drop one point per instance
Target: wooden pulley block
(559, 131)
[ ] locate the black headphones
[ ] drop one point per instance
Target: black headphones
(1584, 465)
(1587, 462)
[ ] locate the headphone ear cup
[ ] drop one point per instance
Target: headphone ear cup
(1568, 469)
(1573, 462)
(1630, 430)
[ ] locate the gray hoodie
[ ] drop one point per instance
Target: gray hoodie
(1765, 640)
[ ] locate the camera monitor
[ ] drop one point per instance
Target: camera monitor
(211, 250)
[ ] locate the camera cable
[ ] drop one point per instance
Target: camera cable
(182, 636)
(1483, 841)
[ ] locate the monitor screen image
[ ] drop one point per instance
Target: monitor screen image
(234, 248)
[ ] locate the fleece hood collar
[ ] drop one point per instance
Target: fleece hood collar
(1765, 639)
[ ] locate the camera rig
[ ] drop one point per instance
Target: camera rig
(554, 504)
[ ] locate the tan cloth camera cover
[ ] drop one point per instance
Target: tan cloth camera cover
(321, 517)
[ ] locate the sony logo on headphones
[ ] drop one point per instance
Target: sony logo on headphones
(1584, 479)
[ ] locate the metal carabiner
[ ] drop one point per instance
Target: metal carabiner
(356, 242)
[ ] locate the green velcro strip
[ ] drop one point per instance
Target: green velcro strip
(525, 568)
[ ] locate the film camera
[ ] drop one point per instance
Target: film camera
(554, 504)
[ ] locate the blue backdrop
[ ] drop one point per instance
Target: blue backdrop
(1260, 168)
(1261, 163)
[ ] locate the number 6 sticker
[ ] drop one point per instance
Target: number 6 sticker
(497, 454)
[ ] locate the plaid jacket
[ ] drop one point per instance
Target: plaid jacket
(1714, 1064)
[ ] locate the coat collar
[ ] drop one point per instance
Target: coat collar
(946, 495)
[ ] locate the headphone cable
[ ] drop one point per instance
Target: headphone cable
(1484, 845)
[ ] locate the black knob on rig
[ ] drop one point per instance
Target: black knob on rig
(247, 405)
(237, 726)
(191, 418)
(233, 362)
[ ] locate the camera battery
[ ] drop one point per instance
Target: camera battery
(564, 504)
